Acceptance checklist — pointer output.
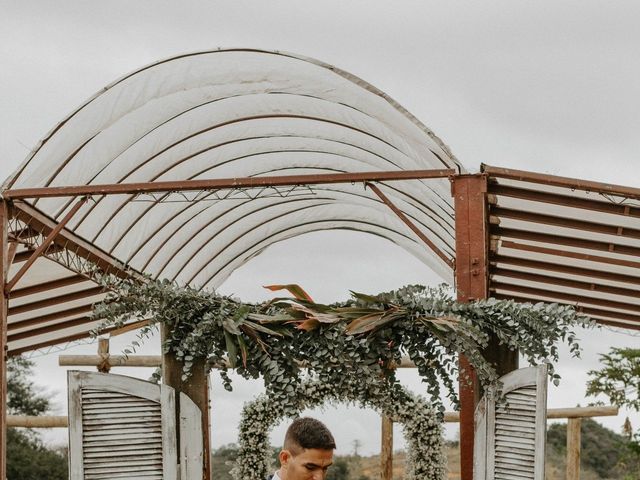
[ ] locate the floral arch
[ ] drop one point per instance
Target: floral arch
(421, 422)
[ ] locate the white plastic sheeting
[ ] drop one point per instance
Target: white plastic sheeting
(239, 113)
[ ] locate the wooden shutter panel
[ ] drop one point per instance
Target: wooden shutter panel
(510, 437)
(191, 448)
(120, 428)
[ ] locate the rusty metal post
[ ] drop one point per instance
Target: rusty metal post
(196, 387)
(4, 249)
(472, 282)
(573, 448)
(386, 450)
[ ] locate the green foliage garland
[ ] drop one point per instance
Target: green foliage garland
(362, 338)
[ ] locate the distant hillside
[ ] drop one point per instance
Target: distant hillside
(605, 456)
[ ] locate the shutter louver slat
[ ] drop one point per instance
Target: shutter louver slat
(120, 428)
(511, 430)
(110, 446)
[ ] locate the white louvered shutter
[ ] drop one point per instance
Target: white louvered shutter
(191, 448)
(510, 437)
(120, 428)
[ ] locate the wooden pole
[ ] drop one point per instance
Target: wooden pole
(573, 448)
(386, 450)
(110, 360)
(4, 305)
(195, 387)
(103, 353)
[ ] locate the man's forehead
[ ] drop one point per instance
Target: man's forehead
(316, 455)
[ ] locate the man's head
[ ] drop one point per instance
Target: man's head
(307, 452)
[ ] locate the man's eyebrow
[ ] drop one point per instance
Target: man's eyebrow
(313, 465)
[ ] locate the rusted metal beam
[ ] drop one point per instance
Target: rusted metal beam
(565, 282)
(34, 332)
(46, 286)
(4, 303)
(472, 282)
(564, 200)
(553, 239)
(563, 268)
(566, 182)
(56, 341)
(565, 222)
(73, 242)
(51, 317)
(566, 297)
(224, 183)
(411, 225)
(44, 245)
(569, 254)
(69, 297)
(25, 254)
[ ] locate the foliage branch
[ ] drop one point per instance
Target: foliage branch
(363, 337)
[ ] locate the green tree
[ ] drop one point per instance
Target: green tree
(27, 457)
(619, 380)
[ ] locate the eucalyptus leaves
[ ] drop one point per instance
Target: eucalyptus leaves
(282, 339)
(422, 427)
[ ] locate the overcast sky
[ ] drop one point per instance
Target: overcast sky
(545, 86)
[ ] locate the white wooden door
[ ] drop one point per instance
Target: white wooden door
(191, 448)
(510, 436)
(120, 428)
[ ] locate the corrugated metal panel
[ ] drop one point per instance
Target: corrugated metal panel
(568, 241)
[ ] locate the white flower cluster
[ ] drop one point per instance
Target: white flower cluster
(422, 424)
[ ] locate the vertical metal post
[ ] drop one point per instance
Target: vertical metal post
(472, 283)
(196, 387)
(386, 451)
(573, 448)
(4, 249)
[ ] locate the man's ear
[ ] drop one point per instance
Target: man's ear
(284, 456)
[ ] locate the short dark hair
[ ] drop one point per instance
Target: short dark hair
(307, 432)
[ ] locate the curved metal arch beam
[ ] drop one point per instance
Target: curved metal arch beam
(241, 236)
(209, 240)
(209, 148)
(307, 227)
(156, 204)
(428, 211)
(422, 207)
(181, 161)
(349, 77)
(221, 125)
(262, 208)
(167, 123)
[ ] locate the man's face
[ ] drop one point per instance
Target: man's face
(309, 464)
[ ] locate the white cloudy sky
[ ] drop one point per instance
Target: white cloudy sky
(548, 86)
